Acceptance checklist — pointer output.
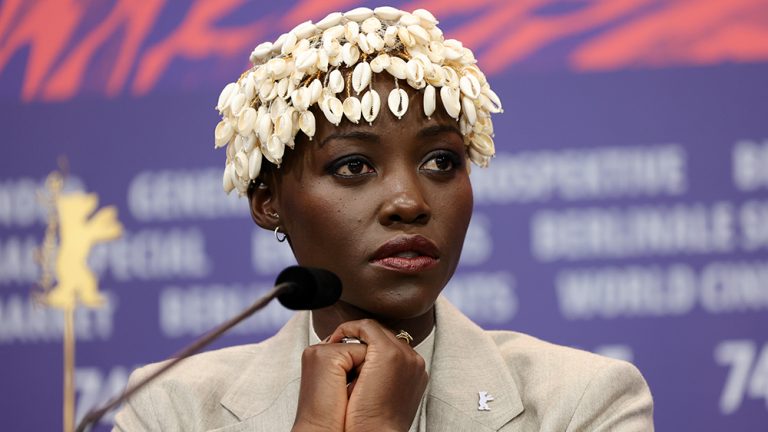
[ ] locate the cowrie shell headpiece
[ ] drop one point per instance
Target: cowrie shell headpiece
(270, 103)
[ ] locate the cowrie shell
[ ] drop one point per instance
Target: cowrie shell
(426, 19)
(453, 43)
(390, 36)
(246, 120)
(333, 110)
(380, 63)
(262, 50)
(371, 105)
(435, 52)
(300, 98)
(419, 34)
(405, 36)
(333, 33)
(435, 76)
(332, 47)
(249, 87)
(483, 144)
(236, 104)
(451, 78)
(315, 90)
(275, 150)
(494, 98)
(264, 127)
(387, 13)
(301, 46)
(266, 89)
(361, 76)
(230, 150)
(249, 142)
(335, 81)
(407, 19)
(240, 183)
(478, 158)
(430, 100)
(351, 30)
(322, 60)
(359, 14)
(396, 67)
(284, 127)
(398, 102)
(282, 87)
(225, 96)
(329, 21)
(226, 179)
(307, 124)
(223, 133)
(375, 42)
(468, 107)
(414, 71)
(350, 54)
(254, 164)
(352, 109)
(451, 103)
(435, 34)
(304, 30)
(276, 67)
(306, 61)
(277, 108)
(371, 25)
(241, 164)
(362, 42)
(470, 86)
(289, 43)
(451, 53)
(278, 45)
(467, 56)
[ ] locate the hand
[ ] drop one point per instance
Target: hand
(323, 392)
(390, 383)
(385, 395)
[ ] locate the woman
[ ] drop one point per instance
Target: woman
(381, 196)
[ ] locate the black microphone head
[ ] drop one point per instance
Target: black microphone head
(313, 288)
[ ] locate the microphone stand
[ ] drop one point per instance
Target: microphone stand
(95, 415)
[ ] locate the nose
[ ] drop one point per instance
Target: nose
(404, 201)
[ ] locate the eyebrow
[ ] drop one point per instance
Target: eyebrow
(435, 130)
(352, 135)
(373, 138)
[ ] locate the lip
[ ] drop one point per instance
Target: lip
(426, 254)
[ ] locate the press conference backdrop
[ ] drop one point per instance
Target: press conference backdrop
(625, 213)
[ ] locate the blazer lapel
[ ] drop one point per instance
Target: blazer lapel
(268, 391)
(467, 361)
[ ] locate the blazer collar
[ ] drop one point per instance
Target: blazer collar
(465, 361)
(268, 378)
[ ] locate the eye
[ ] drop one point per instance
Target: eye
(351, 166)
(441, 161)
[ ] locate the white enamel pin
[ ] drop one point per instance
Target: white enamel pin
(482, 403)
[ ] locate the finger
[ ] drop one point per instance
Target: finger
(369, 331)
(323, 389)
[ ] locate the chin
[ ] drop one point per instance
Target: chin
(406, 302)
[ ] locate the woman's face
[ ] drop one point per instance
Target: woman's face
(384, 206)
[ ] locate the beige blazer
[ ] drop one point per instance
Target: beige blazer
(536, 386)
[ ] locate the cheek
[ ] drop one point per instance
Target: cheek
(319, 219)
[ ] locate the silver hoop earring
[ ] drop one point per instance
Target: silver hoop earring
(277, 235)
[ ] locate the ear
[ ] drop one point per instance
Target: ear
(262, 203)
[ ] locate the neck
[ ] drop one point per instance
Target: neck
(326, 320)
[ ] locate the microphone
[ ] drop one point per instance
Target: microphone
(296, 287)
